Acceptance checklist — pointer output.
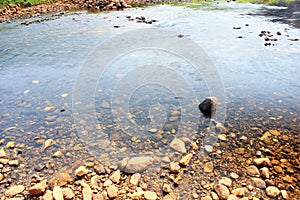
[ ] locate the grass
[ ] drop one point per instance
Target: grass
(4, 3)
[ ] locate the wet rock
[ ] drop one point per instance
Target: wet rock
(135, 164)
(87, 192)
(81, 171)
(185, 160)
(57, 193)
(208, 148)
(178, 145)
(47, 144)
(68, 193)
(272, 191)
(222, 191)
(239, 192)
(258, 183)
(174, 167)
(60, 179)
(115, 177)
(99, 169)
(112, 191)
(149, 195)
(14, 190)
(264, 172)
(194, 146)
(253, 171)
(38, 189)
(208, 106)
(208, 167)
(47, 195)
(13, 162)
(134, 179)
(3, 153)
(263, 162)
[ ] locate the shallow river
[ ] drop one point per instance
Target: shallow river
(51, 81)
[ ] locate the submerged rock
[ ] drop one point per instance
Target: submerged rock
(208, 106)
(135, 164)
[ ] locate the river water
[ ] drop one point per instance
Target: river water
(41, 64)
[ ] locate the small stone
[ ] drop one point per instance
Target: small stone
(100, 169)
(47, 195)
(214, 195)
(272, 191)
(81, 171)
(208, 167)
(206, 198)
(134, 179)
(172, 196)
(57, 193)
(225, 181)
(240, 151)
(259, 183)
(10, 145)
(239, 192)
(107, 183)
(185, 160)
(135, 164)
(222, 191)
(13, 162)
(208, 148)
(167, 188)
(178, 145)
(149, 195)
(232, 197)
(4, 161)
(174, 167)
(195, 196)
(194, 146)
(38, 189)
(47, 144)
(87, 192)
(264, 172)
(57, 154)
(60, 179)
(153, 130)
(264, 162)
(98, 196)
(3, 153)
(112, 191)
(208, 106)
(14, 190)
(105, 104)
(222, 137)
(253, 171)
(234, 175)
(284, 194)
(115, 177)
(278, 169)
(68, 193)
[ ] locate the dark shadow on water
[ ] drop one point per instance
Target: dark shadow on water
(284, 12)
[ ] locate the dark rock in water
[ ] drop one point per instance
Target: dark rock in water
(208, 106)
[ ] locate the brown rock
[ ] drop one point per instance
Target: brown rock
(174, 167)
(214, 196)
(115, 177)
(234, 175)
(3, 153)
(222, 191)
(47, 195)
(239, 192)
(112, 191)
(178, 145)
(14, 190)
(172, 196)
(68, 193)
(135, 164)
(57, 193)
(98, 196)
(134, 179)
(81, 171)
(272, 191)
(185, 160)
(206, 198)
(38, 189)
(264, 162)
(60, 179)
(208, 167)
(149, 195)
(87, 192)
(253, 171)
(284, 194)
(264, 172)
(225, 181)
(259, 183)
(232, 197)
(13, 162)
(167, 188)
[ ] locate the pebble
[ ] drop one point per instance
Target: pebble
(178, 145)
(57, 193)
(47, 195)
(206, 198)
(135, 164)
(185, 160)
(208, 167)
(87, 192)
(252, 170)
(174, 167)
(195, 196)
(234, 175)
(38, 189)
(225, 181)
(222, 191)
(259, 183)
(134, 179)
(3, 153)
(167, 188)
(81, 171)
(47, 143)
(68, 193)
(115, 177)
(14, 190)
(264, 162)
(112, 191)
(284, 194)
(149, 195)
(60, 179)
(171, 196)
(208, 148)
(239, 192)
(264, 172)
(13, 162)
(272, 191)
(214, 195)
(194, 146)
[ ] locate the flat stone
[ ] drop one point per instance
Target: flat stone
(81, 171)
(265, 173)
(259, 183)
(68, 193)
(14, 190)
(263, 162)
(47, 195)
(178, 145)
(134, 179)
(112, 191)
(272, 191)
(87, 193)
(135, 164)
(174, 167)
(13, 162)
(149, 195)
(115, 177)
(38, 189)
(60, 179)
(208, 167)
(222, 191)
(3, 153)
(232, 197)
(206, 198)
(185, 160)
(234, 175)
(57, 193)
(226, 181)
(239, 192)
(284, 194)
(214, 195)
(253, 171)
